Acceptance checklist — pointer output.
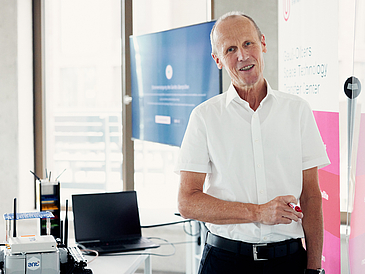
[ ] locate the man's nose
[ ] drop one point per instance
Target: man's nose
(242, 54)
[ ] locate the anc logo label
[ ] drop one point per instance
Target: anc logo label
(33, 263)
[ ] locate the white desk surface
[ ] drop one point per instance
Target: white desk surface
(128, 264)
(118, 264)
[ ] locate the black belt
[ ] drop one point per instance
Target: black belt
(257, 252)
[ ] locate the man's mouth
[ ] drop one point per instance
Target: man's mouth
(246, 68)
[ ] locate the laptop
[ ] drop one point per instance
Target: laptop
(108, 222)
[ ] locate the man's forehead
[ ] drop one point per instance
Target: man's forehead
(231, 27)
(233, 24)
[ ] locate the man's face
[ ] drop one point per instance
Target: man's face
(240, 51)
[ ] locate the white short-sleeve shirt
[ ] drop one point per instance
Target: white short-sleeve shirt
(253, 156)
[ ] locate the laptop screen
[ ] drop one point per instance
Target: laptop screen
(106, 216)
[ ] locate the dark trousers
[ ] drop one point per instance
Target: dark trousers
(219, 261)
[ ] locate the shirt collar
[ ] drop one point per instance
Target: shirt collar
(232, 93)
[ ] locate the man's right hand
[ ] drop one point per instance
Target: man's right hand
(277, 211)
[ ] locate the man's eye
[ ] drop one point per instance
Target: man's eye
(248, 43)
(230, 50)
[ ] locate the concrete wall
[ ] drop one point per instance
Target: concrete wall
(265, 13)
(16, 107)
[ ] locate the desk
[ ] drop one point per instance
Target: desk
(121, 264)
(128, 264)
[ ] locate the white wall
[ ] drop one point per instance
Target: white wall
(16, 107)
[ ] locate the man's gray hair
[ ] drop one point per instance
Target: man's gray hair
(229, 15)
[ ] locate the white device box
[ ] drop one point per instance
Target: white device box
(32, 244)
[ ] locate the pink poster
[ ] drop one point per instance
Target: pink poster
(329, 180)
(309, 68)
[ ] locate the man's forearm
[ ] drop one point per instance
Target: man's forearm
(311, 204)
(205, 208)
(313, 229)
(197, 205)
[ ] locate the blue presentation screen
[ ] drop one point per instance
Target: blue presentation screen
(172, 72)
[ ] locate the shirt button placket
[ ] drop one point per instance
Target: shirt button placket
(258, 156)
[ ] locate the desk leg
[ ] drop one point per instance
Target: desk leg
(148, 265)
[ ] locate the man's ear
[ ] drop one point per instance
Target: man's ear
(217, 61)
(263, 43)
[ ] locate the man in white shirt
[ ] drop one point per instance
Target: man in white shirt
(246, 156)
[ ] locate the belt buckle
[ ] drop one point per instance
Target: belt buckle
(255, 252)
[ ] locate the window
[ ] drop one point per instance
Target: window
(83, 94)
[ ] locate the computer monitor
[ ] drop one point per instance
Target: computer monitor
(171, 73)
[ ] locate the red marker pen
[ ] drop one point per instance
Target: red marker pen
(295, 207)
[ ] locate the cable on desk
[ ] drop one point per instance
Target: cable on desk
(184, 227)
(88, 251)
(146, 253)
(165, 224)
(191, 229)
